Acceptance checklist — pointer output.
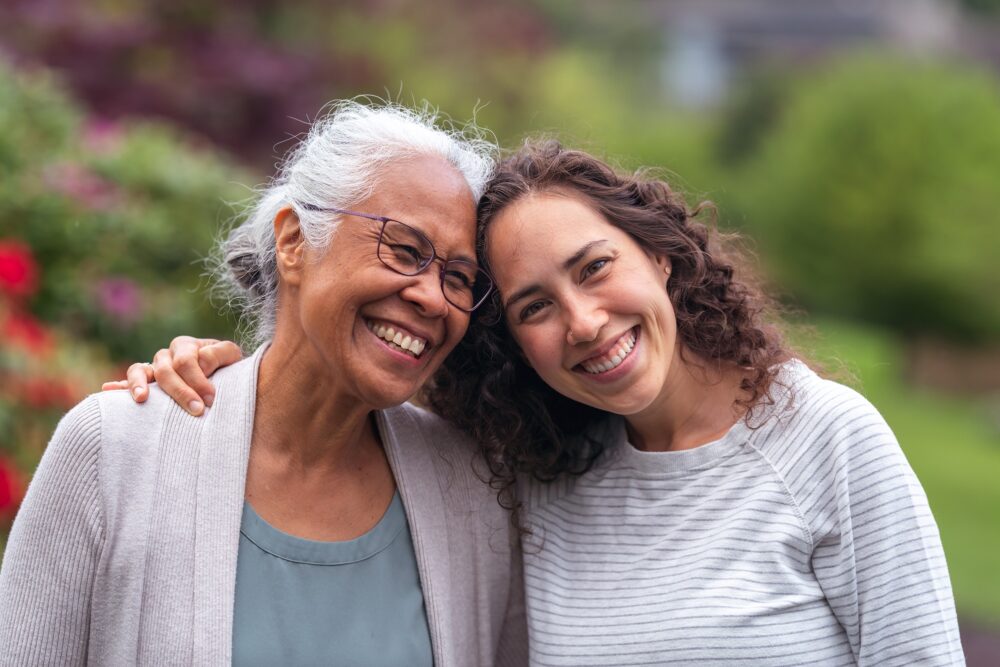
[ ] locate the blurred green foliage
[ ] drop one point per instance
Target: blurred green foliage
(874, 194)
(983, 6)
(951, 443)
(119, 215)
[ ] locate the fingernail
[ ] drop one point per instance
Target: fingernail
(209, 400)
(195, 407)
(138, 391)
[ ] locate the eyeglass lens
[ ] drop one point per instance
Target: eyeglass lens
(406, 250)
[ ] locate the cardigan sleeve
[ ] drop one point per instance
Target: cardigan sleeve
(878, 555)
(51, 558)
(512, 648)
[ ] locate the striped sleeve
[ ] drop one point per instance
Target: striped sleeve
(877, 552)
(55, 543)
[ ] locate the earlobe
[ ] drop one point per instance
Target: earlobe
(663, 263)
(289, 245)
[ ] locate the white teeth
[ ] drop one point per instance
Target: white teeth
(618, 355)
(398, 339)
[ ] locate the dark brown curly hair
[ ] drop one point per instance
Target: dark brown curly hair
(526, 427)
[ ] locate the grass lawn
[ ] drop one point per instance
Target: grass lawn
(954, 449)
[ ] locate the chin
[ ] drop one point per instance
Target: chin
(392, 397)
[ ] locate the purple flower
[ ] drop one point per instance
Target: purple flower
(120, 298)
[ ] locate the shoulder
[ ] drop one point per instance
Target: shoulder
(127, 427)
(427, 448)
(810, 408)
(104, 418)
(78, 434)
(821, 431)
(410, 419)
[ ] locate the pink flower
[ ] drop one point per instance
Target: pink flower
(82, 185)
(18, 271)
(102, 137)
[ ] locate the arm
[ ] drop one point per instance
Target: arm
(55, 544)
(881, 566)
(181, 371)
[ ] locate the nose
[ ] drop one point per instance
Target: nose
(584, 321)
(424, 291)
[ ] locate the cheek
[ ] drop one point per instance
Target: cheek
(542, 352)
(458, 324)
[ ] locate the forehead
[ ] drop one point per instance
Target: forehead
(428, 193)
(543, 229)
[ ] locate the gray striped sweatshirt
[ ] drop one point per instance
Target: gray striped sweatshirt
(807, 540)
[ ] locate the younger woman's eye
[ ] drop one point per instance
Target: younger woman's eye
(594, 267)
(531, 309)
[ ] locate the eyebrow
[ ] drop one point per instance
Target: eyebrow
(566, 265)
(383, 219)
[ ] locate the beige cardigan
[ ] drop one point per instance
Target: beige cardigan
(124, 551)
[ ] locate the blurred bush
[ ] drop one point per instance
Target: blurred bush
(119, 214)
(874, 194)
(42, 374)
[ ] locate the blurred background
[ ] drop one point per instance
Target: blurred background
(857, 142)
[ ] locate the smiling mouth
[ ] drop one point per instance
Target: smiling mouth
(613, 359)
(397, 338)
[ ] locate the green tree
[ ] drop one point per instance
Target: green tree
(876, 196)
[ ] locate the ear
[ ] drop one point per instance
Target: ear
(289, 245)
(663, 264)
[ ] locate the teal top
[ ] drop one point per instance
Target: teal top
(303, 602)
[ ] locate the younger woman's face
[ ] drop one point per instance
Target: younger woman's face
(587, 305)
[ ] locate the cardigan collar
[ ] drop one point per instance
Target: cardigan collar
(224, 452)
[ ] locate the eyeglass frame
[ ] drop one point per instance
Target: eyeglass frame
(434, 256)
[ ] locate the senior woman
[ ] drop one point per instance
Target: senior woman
(310, 517)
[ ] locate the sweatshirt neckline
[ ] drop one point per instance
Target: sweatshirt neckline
(624, 453)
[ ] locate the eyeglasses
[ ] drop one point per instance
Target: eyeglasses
(407, 251)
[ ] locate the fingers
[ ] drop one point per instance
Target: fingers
(138, 377)
(181, 371)
(170, 380)
(216, 354)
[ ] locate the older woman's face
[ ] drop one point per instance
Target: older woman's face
(587, 305)
(349, 303)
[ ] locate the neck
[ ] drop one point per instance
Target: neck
(302, 414)
(696, 406)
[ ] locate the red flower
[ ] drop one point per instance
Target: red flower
(42, 392)
(24, 330)
(11, 489)
(18, 271)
